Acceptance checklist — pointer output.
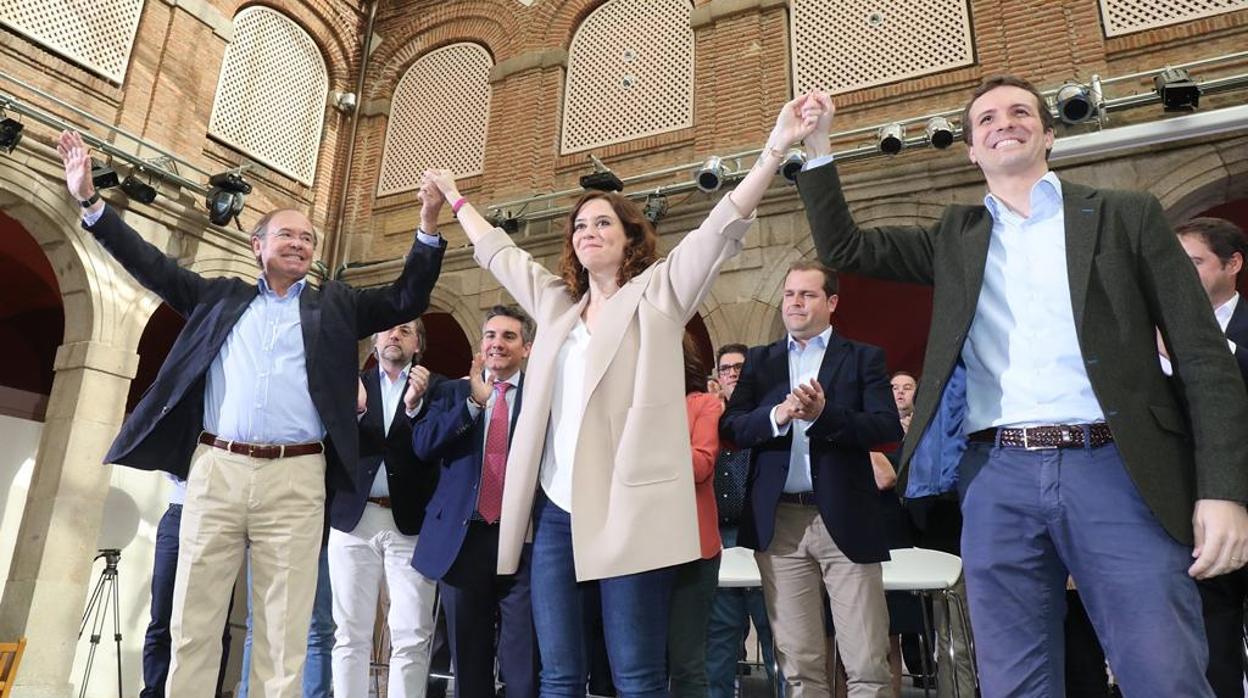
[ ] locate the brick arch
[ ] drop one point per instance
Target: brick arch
(479, 22)
(1212, 175)
(556, 22)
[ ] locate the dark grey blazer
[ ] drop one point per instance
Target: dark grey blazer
(1182, 440)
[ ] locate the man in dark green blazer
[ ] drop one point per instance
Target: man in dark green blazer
(1081, 457)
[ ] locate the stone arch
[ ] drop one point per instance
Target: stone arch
(1205, 176)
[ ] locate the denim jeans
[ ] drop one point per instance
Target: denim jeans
(634, 614)
(731, 612)
(316, 669)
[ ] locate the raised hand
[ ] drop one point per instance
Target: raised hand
(77, 160)
(444, 181)
(793, 124)
(479, 389)
(417, 384)
(820, 104)
(431, 201)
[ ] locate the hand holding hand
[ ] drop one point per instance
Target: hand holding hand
(431, 201)
(444, 181)
(477, 387)
(417, 384)
(77, 160)
(816, 141)
(793, 124)
(1221, 529)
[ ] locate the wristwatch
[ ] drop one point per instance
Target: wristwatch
(95, 196)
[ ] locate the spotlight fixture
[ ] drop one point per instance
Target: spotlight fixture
(10, 134)
(225, 199)
(655, 208)
(792, 165)
(138, 190)
(1177, 89)
(602, 178)
(939, 132)
(891, 138)
(510, 225)
(1075, 104)
(103, 176)
(710, 176)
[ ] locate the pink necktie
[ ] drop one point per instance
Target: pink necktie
(493, 470)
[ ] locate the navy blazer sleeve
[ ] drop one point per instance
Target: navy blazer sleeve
(407, 297)
(153, 269)
(746, 421)
(877, 422)
(443, 421)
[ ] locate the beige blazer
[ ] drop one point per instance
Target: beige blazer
(633, 506)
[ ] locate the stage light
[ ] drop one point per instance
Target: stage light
(227, 197)
(103, 176)
(939, 132)
(510, 225)
(655, 208)
(710, 176)
(891, 138)
(602, 178)
(792, 165)
(138, 190)
(10, 134)
(1075, 104)
(1177, 89)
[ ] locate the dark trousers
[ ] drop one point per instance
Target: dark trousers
(473, 596)
(692, 594)
(1085, 660)
(1222, 600)
(1031, 518)
(156, 642)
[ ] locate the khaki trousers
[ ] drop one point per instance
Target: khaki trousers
(800, 563)
(279, 506)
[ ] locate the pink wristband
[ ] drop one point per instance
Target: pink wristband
(459, 203)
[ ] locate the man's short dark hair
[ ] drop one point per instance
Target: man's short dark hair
(731, 348)
(906, 374)
(1223, 237)
(511, 311)
(1046, 115)
(830, 283)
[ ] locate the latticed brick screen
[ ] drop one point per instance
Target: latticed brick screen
(270, 100)
(630, 74)
(1127, 16)
(439, 117)
(96, 34)
(846, 45)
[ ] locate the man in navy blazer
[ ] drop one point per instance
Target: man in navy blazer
(1218, 248)
(810, 407)
(463, 429)
(374, 529)
(254, 407)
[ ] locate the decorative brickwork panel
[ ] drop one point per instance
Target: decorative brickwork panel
(846, 45)
(96, 34)
(271, 95)
(1128, 16)
(438, 117)
(630, 74)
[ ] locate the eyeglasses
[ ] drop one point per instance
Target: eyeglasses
(731, 368)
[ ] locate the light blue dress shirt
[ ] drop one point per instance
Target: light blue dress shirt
(1023, 362)
(804, 363)
(257, 388)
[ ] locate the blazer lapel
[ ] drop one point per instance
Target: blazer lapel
(975, 238)
(1082, 209)
(372, 388)
(310, 324)
(1237, 328)
(833, 357)
(617, 314)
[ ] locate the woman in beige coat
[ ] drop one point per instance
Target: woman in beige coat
(603, 428)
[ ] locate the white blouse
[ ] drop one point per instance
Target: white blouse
(565, 418)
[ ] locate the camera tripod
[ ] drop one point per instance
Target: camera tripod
(104, 595)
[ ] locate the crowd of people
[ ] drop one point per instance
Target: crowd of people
(1077, 425)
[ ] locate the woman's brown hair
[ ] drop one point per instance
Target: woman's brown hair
(640, 251)
(696, 372)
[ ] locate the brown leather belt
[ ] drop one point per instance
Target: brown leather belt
(261, 450)
(1047, 437)
(806, 499)
(380, 501)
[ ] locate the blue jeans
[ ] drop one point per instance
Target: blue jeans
(316, 669)
(634, 615)
(731, 613)
(1030, 517)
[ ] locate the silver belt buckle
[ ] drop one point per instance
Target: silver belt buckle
(1028, 447)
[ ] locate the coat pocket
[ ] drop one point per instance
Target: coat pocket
(652, 443)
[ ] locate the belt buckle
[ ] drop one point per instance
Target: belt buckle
(1027, 445)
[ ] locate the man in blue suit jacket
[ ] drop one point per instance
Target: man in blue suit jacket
(811, 406)
(464, 428)
(254, 407)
